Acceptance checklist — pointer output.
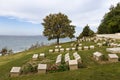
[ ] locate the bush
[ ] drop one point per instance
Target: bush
(104, 58)
(52, 68)
(56, 68)
(81, 65)
(28, 68)
(6, 51)
(63, 67)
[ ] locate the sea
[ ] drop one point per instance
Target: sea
(21, 43)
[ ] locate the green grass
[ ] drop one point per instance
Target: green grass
(93, 70)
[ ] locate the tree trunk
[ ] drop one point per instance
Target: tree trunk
(57, 40)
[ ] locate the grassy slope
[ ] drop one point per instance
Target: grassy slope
(94, 70)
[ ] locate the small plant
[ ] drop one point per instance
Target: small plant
(81, 65)
(103, 58)
(28, 68)
(52, 68)
(56, 68)
(63, 67)
(4, 51)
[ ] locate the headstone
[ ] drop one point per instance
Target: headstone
(50, 50)
(80, 44)
(35, 56)
(92, 47)
(113, 57)
(79, 48)
(118, 45)
(56, 46)
(86, 47)
(42, 68)
(56, 50)
(73, 65)
(99, 44)
(15, 71)
(58, 59)
(42, 55)
(97, 56)
(77, 57)
(67, 58)
(59, 46)
(67, 49)
(61, 49)
(113, 50)
(73, 48)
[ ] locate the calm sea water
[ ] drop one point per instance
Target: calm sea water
(20, 43)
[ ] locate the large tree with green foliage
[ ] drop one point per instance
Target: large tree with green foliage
(111, 21)
(87, 32)
(58, 26)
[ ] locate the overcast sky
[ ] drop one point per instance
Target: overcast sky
(24, 17)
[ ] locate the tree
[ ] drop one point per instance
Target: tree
(4, 51)
(111, 21)
(58, 26)
(91, 33)
(87, 32)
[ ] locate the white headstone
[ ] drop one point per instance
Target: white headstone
(35, 56)
(73, 64)
(42, 68)
(42, 54)
(50, 50)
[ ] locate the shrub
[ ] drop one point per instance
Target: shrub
(104, 58)
(4, 51)
(28, 68)
(56, 68)
(63, 67)
(52, 68)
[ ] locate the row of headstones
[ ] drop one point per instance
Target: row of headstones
(108, 44)
(73, 48)
(16, 71)
(111, 57)
(36, 56)
(86, 39)
(57, 49)
(113, 50)
(104, 39)
(73, 64)
(96, 39)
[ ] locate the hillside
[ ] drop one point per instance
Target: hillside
(92, 71)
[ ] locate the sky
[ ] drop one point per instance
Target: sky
(24, 17)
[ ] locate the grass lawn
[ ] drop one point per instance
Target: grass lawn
(93, 70)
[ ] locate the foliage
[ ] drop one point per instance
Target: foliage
(58, 68)
(28, 68)
(52, 68)
(87, 32)
(36, 45)
(62, 67)
(58, 26)
(5, 51)
(111, 21)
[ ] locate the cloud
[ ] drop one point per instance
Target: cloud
(81, 12)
